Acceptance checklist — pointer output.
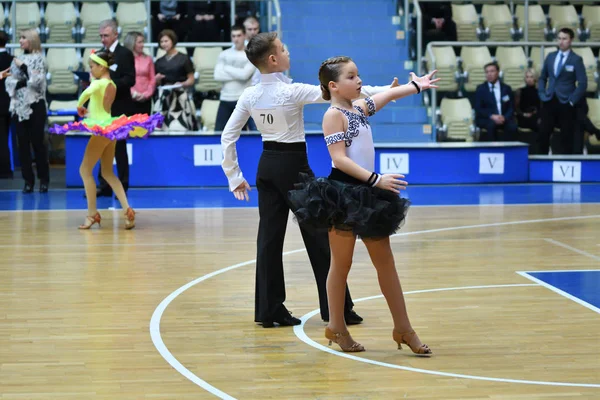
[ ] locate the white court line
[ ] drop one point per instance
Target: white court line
(557, 290)
(301, 334)
(576, 250)
(158, 312)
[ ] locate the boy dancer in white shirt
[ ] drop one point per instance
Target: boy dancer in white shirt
(276, 106)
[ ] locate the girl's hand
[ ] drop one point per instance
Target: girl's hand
(425, 81)
(81, 111)
(18, 62)
(392, 183)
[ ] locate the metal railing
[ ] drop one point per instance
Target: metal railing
(431, 54)
(419, 17)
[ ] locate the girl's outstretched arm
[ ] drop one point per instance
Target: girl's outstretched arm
(382, 99)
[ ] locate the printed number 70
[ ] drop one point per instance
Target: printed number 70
(268, 118)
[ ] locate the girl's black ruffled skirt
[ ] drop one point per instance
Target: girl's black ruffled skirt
(344, 203)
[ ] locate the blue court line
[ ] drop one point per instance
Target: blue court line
(581, 286)
(72, 199)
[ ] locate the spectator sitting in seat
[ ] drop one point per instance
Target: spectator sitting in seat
(168, 15)
(527, 105)
(437, 22)
(204, 21)
(494, 107)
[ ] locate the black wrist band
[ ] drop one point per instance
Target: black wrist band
(372, 179)
(417, 86)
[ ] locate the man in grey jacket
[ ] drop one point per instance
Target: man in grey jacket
(561, 86)
(560, 95)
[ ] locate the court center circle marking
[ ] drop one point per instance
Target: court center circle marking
(299, 332)
(160, 346)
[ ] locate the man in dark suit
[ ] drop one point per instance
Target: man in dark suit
(560, 96)
(494, 108)
(122, 72)
(5, 61)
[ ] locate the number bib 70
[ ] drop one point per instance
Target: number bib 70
(270, 120)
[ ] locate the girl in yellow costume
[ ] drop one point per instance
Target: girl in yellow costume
(105, 131)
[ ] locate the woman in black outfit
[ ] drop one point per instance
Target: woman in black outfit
(527, 102)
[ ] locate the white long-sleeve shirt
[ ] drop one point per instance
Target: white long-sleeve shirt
(276, 106)
(235, 71)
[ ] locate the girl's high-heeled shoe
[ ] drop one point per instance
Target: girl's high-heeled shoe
(90, 221)
(407, 338)
(344, 341)
(129, 219)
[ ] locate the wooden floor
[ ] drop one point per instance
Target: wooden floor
(76, 309)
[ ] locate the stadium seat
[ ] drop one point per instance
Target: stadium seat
(457, 119)
(474, 59)
(536, 57)
(446, 64)
(513, 62)
(132, 17)
(61, 20)
(467, 21)
(28, 16)
(591, 16)
(91, 15)
(61, 64)
(205, 60)
(564, 17)
(589, 61)
(537, 21)
(208, 115)
(498, 19)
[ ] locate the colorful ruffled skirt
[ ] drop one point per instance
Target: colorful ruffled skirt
(115, 128)
(343, 203)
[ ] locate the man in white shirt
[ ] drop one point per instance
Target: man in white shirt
(235, 71)
(276, 106)
(494, 107)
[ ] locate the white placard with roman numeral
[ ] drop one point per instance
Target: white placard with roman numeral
(394, 163)
(566, 171)
(491, 163)
(207, 154)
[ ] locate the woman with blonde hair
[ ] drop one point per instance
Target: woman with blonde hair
(145, 82)
(26, 86)
(527, 105)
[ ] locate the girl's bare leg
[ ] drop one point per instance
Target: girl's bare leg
(342, 249)
(93, 152)
(106, 165)
(382, 257)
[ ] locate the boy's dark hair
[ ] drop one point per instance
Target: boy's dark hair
(491, 64)
(3, 39)
(237, 27)
(330, 71)
(106, 56)
(259, 48)
(568, 31)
